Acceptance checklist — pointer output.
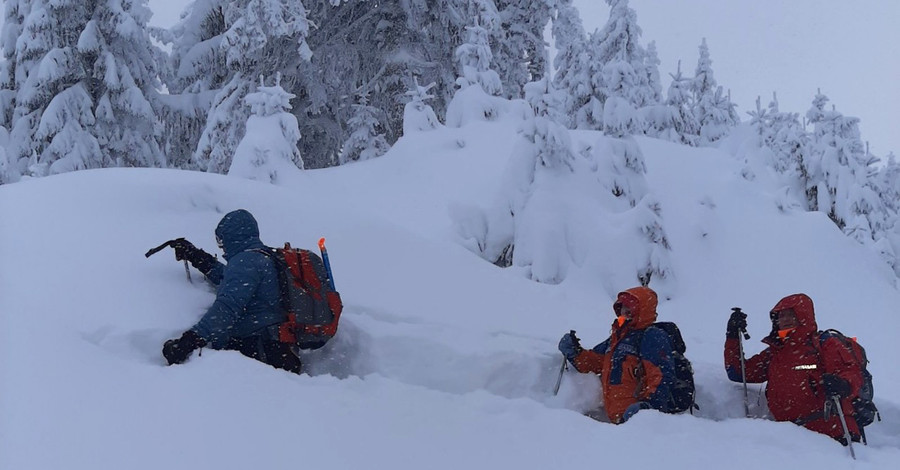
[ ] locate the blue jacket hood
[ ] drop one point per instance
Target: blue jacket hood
(238, 231)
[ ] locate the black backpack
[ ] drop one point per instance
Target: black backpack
(683, 390)
(864, 410)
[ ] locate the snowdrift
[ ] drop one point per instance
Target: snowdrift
(443, 360)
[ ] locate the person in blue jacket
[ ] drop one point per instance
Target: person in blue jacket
(247, 310)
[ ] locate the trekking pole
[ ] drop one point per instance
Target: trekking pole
(836, 402)
(327, 263)
(746, 335)
(153, 251)
(562, 368)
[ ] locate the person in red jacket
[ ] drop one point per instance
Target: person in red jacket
(804, 368)
(635, 363)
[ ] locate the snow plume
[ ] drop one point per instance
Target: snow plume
(268, 152)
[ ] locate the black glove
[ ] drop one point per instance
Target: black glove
(835, 385)
(185, 250)
(178, 350)
(570, 346)
(736, 324)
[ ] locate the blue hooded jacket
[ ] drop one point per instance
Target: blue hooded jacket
(247, 298)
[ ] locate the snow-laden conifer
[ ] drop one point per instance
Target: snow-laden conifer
(571, 62)
(713, 109)
(418, 115)
(478, 83)
(268, 151)
(520, 53)
(365, 141)
(86, 77)
(263, 37)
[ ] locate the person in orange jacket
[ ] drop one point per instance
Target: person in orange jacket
(635, 363)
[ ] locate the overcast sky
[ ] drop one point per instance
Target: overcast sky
(849, 49)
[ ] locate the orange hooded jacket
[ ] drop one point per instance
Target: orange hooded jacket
(634, 363)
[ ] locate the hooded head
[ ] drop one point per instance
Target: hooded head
(802, 307)
(642, 302)
(237, 232)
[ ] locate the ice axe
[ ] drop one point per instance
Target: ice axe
(153, 251)
(835, 402)
(562, 368)
(746, 335)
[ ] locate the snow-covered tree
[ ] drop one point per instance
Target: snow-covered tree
(6, 175)
(657, 264)
(571, 62)
(839, 172)
(713, 109)
(478, 84)
(718, 119)
(651, 67)
(198, 72)
(617, 66)
(679, 100)
(263, 37)
(365, 142)
(418, 115)
(85, 76)
(474, 58)
(15, 12)
(520, 53)
(551, 145)
(621, 170)
(783, 134)
(268, 150)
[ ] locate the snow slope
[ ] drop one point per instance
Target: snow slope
(442, 360)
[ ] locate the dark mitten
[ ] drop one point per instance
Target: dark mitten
(570, 346)
(178, 350)
(185, 250)
(736, 324)
(835, 385)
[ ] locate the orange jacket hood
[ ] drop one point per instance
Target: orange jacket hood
(643, 302)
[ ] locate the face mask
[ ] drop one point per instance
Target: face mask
(785, 332)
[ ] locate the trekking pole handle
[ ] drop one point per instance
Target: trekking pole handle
(743, 330)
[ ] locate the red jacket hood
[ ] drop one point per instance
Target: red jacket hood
(803, 308)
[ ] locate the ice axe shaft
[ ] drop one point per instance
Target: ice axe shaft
(835, 402)
(562, 368)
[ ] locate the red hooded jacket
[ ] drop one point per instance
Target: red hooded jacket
(794, 367)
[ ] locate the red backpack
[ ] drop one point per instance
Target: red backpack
(312, 306)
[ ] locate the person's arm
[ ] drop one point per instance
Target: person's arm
(757, 366)
(591, 360)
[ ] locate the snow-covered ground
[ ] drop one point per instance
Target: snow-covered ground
(442, 360)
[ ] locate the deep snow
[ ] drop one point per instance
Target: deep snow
(442, 359)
